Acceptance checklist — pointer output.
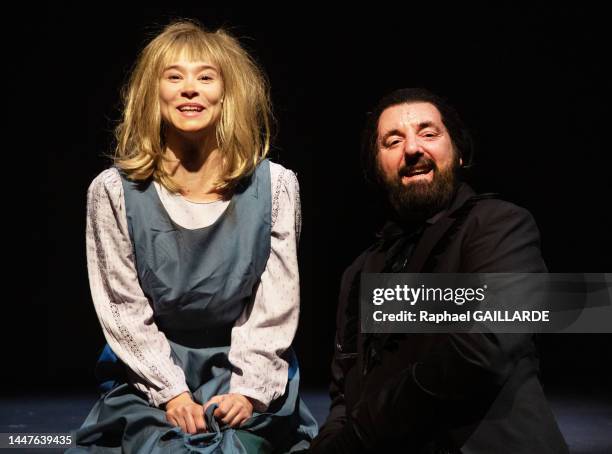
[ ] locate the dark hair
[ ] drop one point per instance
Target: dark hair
(458, 132)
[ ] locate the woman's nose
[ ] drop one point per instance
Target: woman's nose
(189, 93)
(188, 89)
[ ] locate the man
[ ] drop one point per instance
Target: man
(435, 393)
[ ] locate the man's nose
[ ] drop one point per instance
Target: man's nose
(412, 145)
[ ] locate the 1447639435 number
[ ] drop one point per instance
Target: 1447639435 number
(25, 439)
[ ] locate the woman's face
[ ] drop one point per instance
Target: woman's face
(191, 96)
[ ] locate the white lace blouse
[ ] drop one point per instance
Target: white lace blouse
(259, 337)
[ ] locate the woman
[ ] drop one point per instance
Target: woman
(191, 247)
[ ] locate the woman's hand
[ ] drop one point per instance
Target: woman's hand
(183, 412)
(233, 409)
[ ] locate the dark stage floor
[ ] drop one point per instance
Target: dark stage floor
(586, 421)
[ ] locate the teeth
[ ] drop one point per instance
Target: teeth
(418, 172)
(190, 109)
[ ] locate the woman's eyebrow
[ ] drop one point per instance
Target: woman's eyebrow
(197, 68)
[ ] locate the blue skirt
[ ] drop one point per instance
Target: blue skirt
(123, 421)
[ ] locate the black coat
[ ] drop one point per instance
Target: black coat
(457, 392)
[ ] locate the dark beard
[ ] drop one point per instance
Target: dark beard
(420, 200)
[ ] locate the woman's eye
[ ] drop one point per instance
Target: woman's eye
(174, 77)
(206, 78)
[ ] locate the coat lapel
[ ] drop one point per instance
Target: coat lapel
(430, 238)
(434, 232)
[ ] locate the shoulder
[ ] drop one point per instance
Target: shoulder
(494, 213)
(283, 179)
(285, 197)
(106, 185)
(499, 236)
(285, 188)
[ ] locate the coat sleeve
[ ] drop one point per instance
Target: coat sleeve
(336, 435)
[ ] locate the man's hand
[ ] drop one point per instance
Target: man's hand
(233, 409)
(183, 412)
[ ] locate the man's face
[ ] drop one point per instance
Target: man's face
(416, 158)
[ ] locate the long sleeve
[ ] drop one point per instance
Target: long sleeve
(344, 360)
(266, 328)
(337, 434)
(124, 312)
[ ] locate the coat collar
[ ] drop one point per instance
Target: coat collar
(432, 230)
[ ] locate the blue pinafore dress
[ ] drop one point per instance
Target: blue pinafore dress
(198, 282)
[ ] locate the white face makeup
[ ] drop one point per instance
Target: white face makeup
(190, 96)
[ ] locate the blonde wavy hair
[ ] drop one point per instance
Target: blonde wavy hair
(244, 129)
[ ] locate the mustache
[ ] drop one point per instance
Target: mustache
(422, 163)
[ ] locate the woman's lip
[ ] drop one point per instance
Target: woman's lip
(191, 104)
(190, 113)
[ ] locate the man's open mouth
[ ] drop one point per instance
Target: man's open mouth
(416, 171)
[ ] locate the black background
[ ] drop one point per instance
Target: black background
(529, 81)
